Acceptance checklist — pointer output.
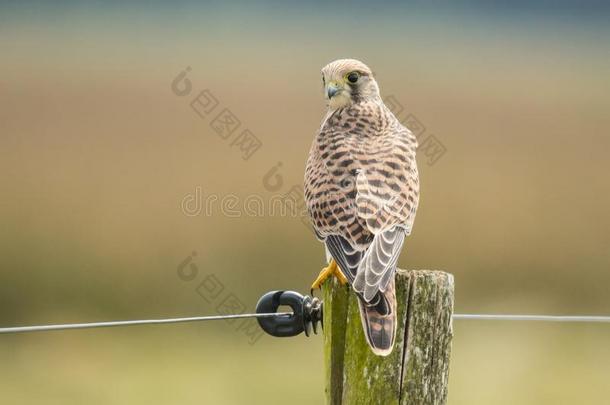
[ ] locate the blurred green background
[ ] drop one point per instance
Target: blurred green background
(97, 156)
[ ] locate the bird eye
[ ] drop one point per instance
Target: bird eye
(353, 77)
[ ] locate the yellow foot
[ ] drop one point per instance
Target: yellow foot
(331, 270)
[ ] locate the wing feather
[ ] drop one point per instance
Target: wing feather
(377, 267)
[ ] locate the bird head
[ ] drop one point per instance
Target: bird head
(348, 81)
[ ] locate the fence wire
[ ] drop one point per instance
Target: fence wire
(480, 317)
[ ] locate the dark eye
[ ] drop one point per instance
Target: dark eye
(353, 77)
(323, 81)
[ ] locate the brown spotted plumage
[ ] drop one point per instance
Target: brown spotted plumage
(362, 191)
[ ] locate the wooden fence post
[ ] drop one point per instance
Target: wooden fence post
(417, 370)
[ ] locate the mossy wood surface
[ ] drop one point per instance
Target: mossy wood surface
(417, 370)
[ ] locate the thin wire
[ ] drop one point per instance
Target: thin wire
(483, 317)
(41, 328)
(543, 318)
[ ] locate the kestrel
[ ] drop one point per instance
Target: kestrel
(362, 192)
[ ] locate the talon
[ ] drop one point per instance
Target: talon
(324, 274)
(331, 270)
(339, 274)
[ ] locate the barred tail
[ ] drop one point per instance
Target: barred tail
(379, 321)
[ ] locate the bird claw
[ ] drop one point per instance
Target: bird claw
(331, 270)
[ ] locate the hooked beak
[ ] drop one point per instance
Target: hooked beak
(332, 89)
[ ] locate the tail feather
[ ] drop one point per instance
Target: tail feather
(379, 321)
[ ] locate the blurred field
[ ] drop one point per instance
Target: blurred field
(97, 153)
(492, 364)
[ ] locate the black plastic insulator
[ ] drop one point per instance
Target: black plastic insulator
(306, 313)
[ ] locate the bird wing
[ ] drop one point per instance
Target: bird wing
(378, 265)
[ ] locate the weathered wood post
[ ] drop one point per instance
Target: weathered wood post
(417, 370)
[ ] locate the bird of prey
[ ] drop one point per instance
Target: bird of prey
(362, 192)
